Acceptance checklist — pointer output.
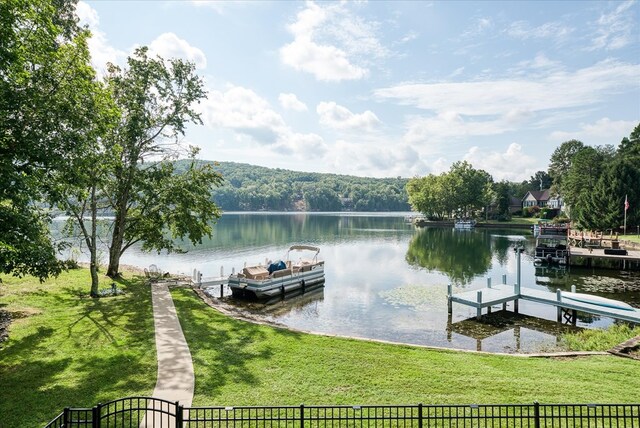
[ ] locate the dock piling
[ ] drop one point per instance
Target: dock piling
(449, 302)
(488, 282)
(479, 310)
(559, 298)
(504, 279)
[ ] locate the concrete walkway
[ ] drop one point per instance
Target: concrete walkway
(175, 381)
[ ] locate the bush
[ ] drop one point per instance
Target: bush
(70, 264)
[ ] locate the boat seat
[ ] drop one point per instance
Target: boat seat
(255, 272)
(281, 273)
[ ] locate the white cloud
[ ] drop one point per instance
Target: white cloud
(332, 44)
(552, 91)
(603, 131)
(99, 47)
(291, 102)
(493, 107)
(169, 45)
(244, 112)
(613, 30)
(450, 124)
(513, 164)
(87, 15)
(374, 159)
(339, 117)
(550, 30)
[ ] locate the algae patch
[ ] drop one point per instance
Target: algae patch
(416, 297)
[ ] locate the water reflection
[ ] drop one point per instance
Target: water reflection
(386, 280)
(461, 254)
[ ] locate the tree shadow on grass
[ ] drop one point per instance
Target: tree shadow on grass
(223, 349)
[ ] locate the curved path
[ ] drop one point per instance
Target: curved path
(175, 380)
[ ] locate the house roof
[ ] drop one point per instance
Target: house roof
(539, 195)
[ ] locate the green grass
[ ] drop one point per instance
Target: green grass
(632, 238)
(239, 363)
(598, 339)
(515, 220)
(66, 349)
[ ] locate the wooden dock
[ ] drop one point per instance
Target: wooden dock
(488, 297)
(581, 256)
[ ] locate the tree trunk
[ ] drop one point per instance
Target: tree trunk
(92, 243)
(117, 238)
(116, 245)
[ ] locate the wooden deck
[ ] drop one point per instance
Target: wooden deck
(502, 294)
(598, 253)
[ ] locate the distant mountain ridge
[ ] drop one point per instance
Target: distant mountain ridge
(256, 188)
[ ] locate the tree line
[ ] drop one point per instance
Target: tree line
(254, 188)
(596, 181)
(598, 185)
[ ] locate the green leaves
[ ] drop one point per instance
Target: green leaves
(463, 190)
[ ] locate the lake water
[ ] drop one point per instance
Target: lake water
(387, 280)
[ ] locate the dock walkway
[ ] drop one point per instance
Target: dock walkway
(500, 295)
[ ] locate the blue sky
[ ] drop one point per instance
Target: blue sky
(391, 88)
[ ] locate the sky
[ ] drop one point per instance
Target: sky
(391, 88)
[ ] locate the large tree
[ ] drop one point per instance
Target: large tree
(152, 203)
(44, 78)
(561, 161)
(587, 167)
(462, 190)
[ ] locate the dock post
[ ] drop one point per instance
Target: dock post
(504, 279)
(518, 272)
(221, 291)
(559, 298)
(573, 288)
(515, 301)
(479, 309)
(449, 302)
(488, 282)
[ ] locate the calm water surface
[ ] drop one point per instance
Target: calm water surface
(387, 280)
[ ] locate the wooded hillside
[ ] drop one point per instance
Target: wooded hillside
(254, 188)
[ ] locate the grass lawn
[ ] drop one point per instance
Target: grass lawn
(515, 220)
(239, 363)
(66, 349)
(632, 238)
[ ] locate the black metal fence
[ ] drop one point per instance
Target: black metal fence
(149, 412)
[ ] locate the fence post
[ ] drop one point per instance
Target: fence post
(536, 414)
(65, 416)
(179, 415)
(95, 416)
(302, 416)
(420, 415)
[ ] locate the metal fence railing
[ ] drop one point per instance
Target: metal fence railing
(149, 412)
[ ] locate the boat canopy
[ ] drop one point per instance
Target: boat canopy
(304, 247)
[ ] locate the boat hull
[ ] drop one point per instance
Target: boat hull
(268, 288)
(597, 300)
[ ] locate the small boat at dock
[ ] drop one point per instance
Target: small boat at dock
(464, 224)
(597, 300)
(551, 245)
(272, 279)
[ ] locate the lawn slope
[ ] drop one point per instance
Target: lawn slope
(66, 349)
(239, 363)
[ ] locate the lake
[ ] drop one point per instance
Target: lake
(387, 280)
